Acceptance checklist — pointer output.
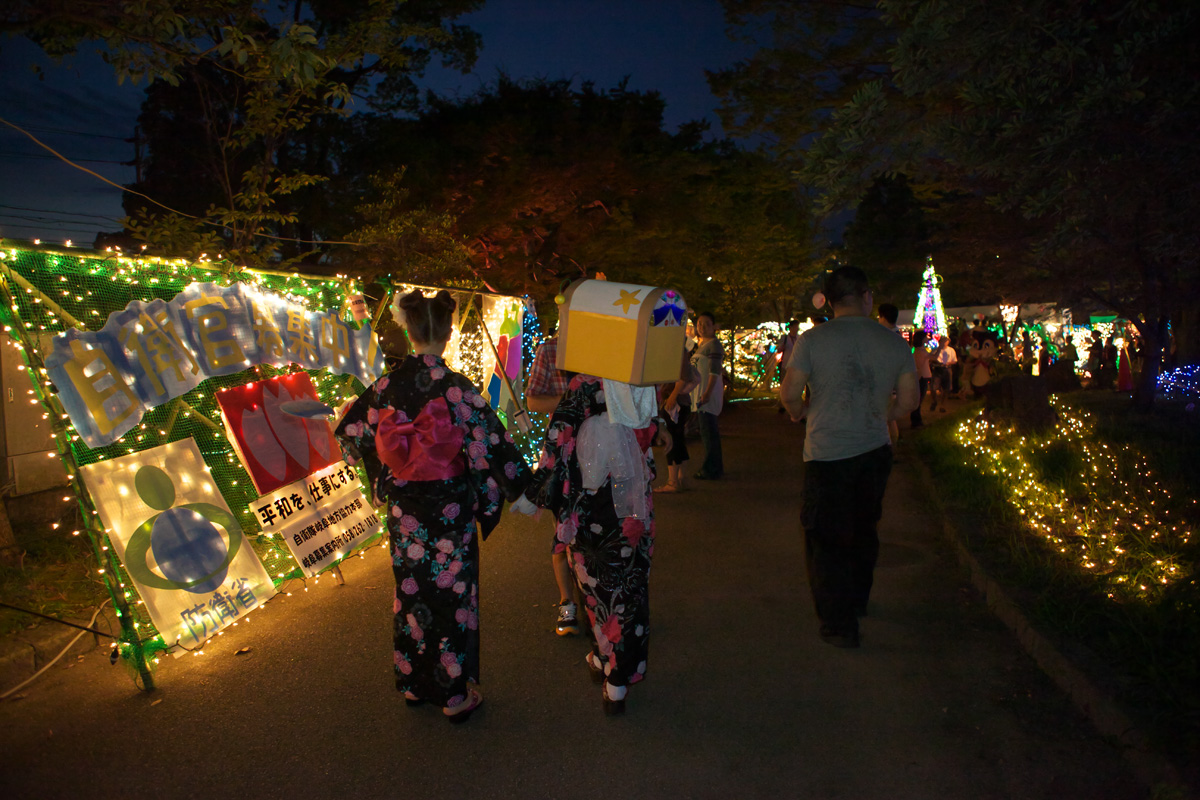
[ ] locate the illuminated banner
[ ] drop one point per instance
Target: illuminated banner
(181, 546)
(323, 518)
(152, 352)
(503, 317)
(277, 447)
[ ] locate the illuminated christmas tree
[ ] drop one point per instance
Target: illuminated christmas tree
(930, 315)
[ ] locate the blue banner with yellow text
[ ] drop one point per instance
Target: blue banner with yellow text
(152, 352)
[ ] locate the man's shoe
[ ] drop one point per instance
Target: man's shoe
(839, 638)
(705, 476)
(568, 623)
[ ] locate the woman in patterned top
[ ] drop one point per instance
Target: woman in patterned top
(440, 459)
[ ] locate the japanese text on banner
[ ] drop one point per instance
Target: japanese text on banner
(322, 518)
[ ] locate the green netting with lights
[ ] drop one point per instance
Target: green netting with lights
(46, 293)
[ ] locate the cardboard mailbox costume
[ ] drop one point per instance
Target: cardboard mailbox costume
(621, 331)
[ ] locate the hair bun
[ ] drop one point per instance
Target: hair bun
(412, 301)
(445, 300)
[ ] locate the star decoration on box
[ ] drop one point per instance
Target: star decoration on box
(627, 299)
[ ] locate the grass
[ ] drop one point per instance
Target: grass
(56, 576)
(1081, 547)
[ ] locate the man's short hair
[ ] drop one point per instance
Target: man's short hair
(708, 314)
(845, 282)
(889, 313)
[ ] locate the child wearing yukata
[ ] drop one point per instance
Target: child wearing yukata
(440, 459)
(595, 474)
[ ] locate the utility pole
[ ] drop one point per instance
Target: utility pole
(137, 153)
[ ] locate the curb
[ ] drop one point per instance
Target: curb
(1150, 766)
(25, 652)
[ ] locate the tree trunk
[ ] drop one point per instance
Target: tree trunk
(1145, 386)
(1024, 399)
(1187, 337)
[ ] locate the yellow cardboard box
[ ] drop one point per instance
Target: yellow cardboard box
(622, 331)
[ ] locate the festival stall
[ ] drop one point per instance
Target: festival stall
(754, 355)
(190, 403)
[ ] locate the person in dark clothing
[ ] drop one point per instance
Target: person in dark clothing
(851, 366)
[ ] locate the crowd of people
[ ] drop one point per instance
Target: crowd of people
(438, 457)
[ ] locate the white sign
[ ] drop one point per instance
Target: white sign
(323, 518)
(180, 544)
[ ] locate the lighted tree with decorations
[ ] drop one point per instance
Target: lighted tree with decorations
(930, 316)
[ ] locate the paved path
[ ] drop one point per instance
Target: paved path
(742, 700)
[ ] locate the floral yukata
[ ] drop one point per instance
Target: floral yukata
(440, 459)
(609, 555)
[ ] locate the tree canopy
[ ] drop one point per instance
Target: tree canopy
(1070, 126)
(543, 183)
(247, 80)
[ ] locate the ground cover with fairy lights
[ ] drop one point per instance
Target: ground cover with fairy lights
(1092, 525)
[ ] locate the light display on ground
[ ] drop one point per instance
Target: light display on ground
(1112, 520)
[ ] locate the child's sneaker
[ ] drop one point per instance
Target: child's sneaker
(568, 624)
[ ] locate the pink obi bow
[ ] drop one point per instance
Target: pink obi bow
(427, 449)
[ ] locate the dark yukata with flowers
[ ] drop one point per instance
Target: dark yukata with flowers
(609, 555)
(437, 455)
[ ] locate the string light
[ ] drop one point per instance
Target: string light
(929, 315)
(1112, 521)
(100, 286)
(1182, 383)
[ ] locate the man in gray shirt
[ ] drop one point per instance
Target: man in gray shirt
(851, 366)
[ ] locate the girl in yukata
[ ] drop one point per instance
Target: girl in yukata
(595, 474)
(440, 459)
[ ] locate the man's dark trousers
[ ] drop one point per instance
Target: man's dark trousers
(843, 501)
(710, 436)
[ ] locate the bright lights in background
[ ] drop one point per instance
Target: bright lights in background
(1182, 383)
(930, 316)
(754, 352)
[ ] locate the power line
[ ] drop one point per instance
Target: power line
(74, 231)
(76, 133)
(202, 221)
(52, 158)
(56, 211)
(52, 219)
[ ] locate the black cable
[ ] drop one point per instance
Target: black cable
(53, 158)
(57, 231)
(56, 211)
(36, 218)
(59, 621)
(77, 133)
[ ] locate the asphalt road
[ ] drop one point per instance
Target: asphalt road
(742, 699)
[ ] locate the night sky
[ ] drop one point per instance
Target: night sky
(80, 111)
